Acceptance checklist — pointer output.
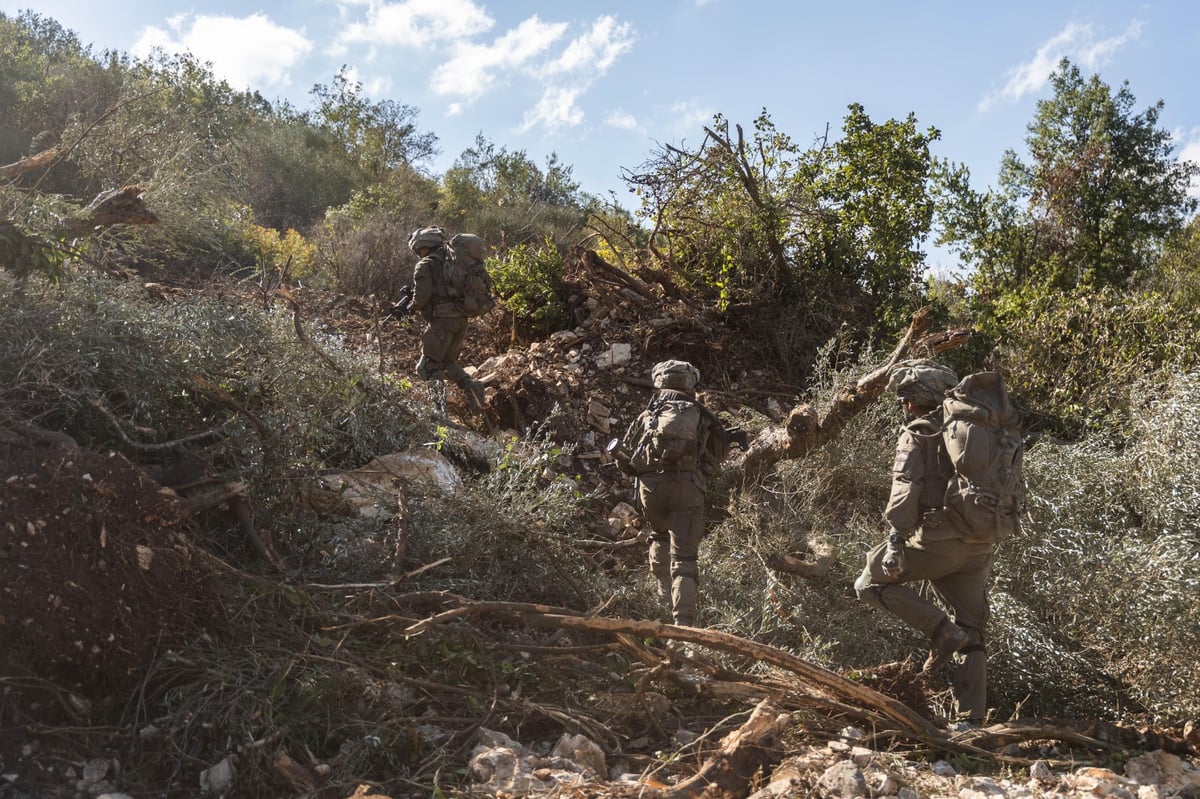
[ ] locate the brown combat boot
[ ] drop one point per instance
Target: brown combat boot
(947, 639)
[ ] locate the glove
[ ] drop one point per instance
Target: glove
(893, 555)
(737, 436)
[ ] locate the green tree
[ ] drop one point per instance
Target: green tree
(377, 136)
(46, 75)
(877, 197)
(831, 234)
(1094, 203)
(292, 172)
(721, 212)
(508, 199)
(1072, 278)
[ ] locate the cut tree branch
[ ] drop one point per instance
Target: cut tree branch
(816, 677)
(805, 431)
(28, 164)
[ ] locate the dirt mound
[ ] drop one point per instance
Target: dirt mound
(96, 573)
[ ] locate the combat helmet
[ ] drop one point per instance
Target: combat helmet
(432, 237)
(677, 375)
(922, 381)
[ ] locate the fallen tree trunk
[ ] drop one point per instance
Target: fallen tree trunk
(805, 431)
(28, 164)
(122, 206)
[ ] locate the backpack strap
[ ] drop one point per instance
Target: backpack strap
(930, 425)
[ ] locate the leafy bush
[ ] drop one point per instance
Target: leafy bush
(1074, 353)
(286, 253)
(529, 280)
(1106, 564)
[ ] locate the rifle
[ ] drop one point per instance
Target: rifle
(735, 435)
(403, 306)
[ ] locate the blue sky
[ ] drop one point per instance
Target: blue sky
(602, 83)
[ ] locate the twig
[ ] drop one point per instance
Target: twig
(215, 392)
(282, 291)
(115, 423)
(387, 584)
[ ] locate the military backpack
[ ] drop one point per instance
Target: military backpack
(982, 434)
(468, 283)
(666, 437)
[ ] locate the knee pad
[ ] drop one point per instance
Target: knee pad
(870, 593)
(685, 568)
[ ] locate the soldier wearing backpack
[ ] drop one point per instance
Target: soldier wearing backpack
(435, 299)
(672, 447)
(931, 538)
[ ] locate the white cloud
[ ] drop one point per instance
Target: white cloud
(556, 109)
(622, 120)
(584, 60)
(473, 68)
(1096, 54)
(595, 51)
(414, 23)
(687, 117)
(249, 52)
(1076, 42)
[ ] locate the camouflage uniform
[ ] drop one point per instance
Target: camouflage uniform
(443, 339)
(958, 571)
(673, 503)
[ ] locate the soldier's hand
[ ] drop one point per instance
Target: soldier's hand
(737, 436)
(893, 556)
(403, 306)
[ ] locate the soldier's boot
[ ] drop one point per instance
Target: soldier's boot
(947, 639)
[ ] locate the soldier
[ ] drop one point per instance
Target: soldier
(443, 339)
(925, 545)
(672, 447)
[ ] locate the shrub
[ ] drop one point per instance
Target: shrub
(529, 280)
(366, 255)
(1073, 354)
(1106, 564)
(286, 253)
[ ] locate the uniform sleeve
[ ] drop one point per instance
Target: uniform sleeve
(423, 283)
(908, 476)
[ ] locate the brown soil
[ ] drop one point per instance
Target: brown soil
(96, 574)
